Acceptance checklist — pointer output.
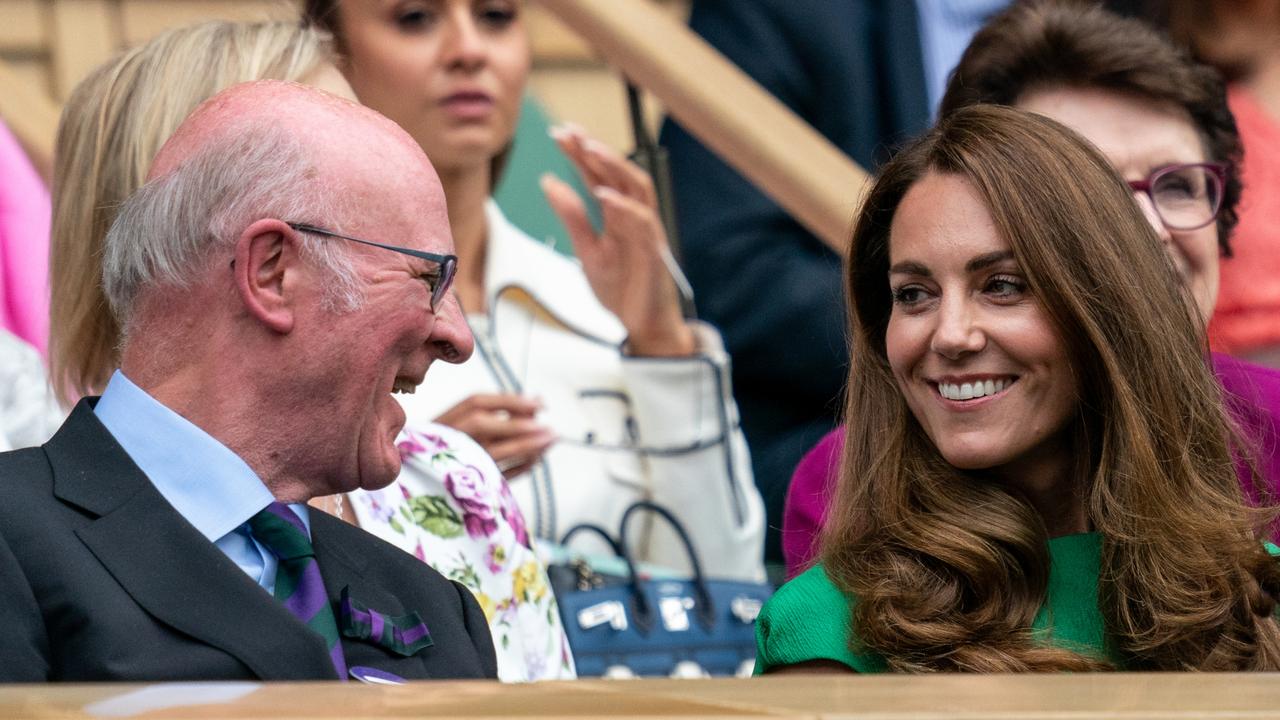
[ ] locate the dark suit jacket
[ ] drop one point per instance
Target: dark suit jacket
(853, 70)
(101, 579)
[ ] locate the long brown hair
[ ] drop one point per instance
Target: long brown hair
(1040, 44)
(950, 567)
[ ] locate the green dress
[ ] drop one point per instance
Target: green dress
(809, 618)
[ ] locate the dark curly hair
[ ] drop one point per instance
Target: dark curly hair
(1045, 43)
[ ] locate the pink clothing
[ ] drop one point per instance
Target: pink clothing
(1252, 398)
(25, 214)
(807, 501)
(1247, 317)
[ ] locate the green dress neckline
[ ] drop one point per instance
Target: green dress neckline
(808, 618)
(1069, 617)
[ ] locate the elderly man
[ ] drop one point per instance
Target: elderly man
(162, 534)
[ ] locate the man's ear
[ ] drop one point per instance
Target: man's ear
(265, 268)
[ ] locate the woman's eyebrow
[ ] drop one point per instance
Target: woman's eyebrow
(982, 262)
(910, 267)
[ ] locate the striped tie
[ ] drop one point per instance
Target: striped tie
(298, 582)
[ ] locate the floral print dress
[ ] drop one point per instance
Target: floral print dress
(452, 508)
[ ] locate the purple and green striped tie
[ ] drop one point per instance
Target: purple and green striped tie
(298, 582)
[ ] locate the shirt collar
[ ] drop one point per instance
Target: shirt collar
(201, 478)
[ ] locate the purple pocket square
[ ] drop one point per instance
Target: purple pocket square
(402, 634)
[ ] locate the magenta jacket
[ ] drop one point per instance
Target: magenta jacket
(1253, 397)
(24, 245)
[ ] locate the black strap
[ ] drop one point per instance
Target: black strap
(706, 611)
(642, 615)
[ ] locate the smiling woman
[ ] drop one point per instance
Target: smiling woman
(964, 321)
(1163, 122)
(1073, 514)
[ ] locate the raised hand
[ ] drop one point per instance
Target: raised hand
(505, 426)
(626, 263)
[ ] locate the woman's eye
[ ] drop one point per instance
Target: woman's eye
(497, 15)
(908, 295)
(1176, 187)
(414, 19)
(1006, 287)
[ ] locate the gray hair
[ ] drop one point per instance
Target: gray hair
(174, 227)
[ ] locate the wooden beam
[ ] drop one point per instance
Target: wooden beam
(32, 117)
(141, 20)
(24, 28)
(84, 37)
(726, 110)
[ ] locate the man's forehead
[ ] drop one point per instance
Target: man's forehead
(373, 170)
(400, 213)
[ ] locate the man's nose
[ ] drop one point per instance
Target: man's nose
(451, 337)
(958, 331)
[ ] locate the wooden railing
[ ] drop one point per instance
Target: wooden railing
(1061, 696)
(725, 109)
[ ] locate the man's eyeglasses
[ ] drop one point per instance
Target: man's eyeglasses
(439, 281)
(1186, 197)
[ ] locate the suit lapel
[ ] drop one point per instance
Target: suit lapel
(343, 569)
(169, 568)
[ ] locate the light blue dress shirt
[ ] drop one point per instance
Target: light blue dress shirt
(946, 27)
(202, 479)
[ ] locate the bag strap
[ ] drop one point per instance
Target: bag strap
(642, 612)
(596, 530)
(705, 609)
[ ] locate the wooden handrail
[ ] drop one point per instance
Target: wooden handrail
(728, 111)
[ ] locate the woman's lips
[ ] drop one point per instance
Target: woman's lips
(468, 105)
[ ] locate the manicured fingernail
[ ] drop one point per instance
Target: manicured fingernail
(559, 133)
(604, 193)
(595, 147)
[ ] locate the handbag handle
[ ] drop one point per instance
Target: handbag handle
(609, 539)
(633, 579)
(705, 610)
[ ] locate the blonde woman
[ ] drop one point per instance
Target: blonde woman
(113, 125)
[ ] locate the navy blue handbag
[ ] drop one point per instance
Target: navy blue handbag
(628, 626)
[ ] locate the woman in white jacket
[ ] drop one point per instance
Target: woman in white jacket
(587, 387)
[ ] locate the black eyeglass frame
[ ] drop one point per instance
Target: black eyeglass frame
(448, 263)
(1216, 171)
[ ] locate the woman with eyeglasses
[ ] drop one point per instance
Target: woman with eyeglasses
(1163, 122)
(1037, 471)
